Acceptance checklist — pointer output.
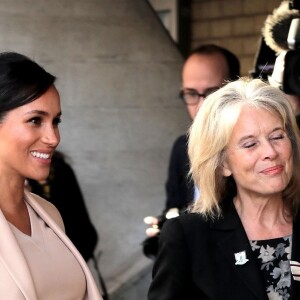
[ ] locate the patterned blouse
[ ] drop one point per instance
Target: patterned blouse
(273, 257)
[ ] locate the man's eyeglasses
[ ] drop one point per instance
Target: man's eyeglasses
(192, 97)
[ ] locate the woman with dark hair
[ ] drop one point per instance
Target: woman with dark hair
(37, 260)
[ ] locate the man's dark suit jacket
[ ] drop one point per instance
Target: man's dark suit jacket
(179, 189)
(196, 260)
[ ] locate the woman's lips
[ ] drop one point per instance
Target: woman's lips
(273, 170)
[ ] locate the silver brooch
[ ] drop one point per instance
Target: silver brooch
(240, 258)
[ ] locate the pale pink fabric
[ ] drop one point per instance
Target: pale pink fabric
(55, 271)
(16, 279)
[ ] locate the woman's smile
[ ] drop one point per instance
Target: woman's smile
(273, 170)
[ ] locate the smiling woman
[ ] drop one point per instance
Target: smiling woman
(241, 239)
(31, 133)
(37, 260)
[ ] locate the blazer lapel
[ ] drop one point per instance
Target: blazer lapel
(14, 261)
(92, 289)
(233, 243)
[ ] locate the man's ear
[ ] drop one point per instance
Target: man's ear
(226, 171)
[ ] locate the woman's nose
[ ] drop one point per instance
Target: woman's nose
(51, 136)
(269, 150)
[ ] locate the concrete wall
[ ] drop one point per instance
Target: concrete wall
(118, 75)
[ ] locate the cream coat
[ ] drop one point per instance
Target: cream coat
(15, 279)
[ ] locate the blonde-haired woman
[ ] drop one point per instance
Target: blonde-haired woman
(242, 238)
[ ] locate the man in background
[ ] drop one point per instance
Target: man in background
(205, 70)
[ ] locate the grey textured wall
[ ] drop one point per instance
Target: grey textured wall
(118, 76)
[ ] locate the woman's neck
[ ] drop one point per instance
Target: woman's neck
(263, 217)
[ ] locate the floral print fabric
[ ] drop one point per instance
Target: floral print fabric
(273, 257)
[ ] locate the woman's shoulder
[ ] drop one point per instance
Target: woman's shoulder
(188, 231)
(196, 218)
(190, 223)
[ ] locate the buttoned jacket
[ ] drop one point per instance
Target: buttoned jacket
(16, 281)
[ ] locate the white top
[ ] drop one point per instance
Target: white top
(55, 271)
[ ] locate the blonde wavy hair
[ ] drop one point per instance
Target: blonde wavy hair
(210, 133)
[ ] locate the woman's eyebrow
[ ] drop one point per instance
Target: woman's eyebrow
(41, 112)
(249, 136)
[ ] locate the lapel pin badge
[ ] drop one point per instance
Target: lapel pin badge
(240, 258)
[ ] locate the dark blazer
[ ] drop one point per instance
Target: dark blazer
(196, 260)
(179, 189)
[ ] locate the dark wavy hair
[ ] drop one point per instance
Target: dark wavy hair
(21, 81)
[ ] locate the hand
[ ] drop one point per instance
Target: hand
(156, 223)
(153, 222)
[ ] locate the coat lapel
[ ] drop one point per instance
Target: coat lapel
(14, 261)
(233, 240)
(92, 289)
